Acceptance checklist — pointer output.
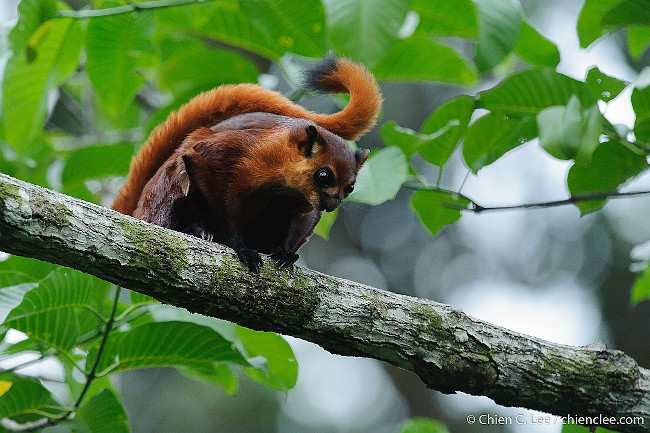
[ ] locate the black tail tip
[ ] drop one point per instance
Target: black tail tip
(316, 76)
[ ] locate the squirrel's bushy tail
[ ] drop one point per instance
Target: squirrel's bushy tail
(208, 108)
(344, 76)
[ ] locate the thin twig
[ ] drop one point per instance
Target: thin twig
(419, 185)
(133, 7)
(577, 198)
(132, 308)
(439, 179)
(462, 185)
(95, 312)
(93, 371)
(87, 338)
(71, 360)
(12, 425)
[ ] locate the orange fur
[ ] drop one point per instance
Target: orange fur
(227, 101)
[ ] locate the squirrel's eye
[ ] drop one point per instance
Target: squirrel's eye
(324, 178)
(348, 190)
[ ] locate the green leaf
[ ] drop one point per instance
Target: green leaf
(24, 397)
(185, 345)
(325, 224)
(641, 288)
(560, 129)
(189, 67)
(611, 165)
(57, 328)
(364, 30)
(627, 12)
(11, 278)
(603, 86)
(13, 287)
(95, 162)
(419, 59)
(30, 78)
(500, 23)
(437, 209)
(404, 138)
(638, 40)
(492, 136)
(140, 299)
(423, 425)
(114, 45)
(281, 370)
(451, 119)
(447, 18)
(36, 269)
(62, 288)
(411, 142)
(221, 376)
(267, 352)
(28, 344)
(166, 313)
(528, 92)
(46, 312)
(535, 48)
(297, 26)
(381, 176)
(89, 324)
(592, 122)
(589, 20)
(222, 21)
(641, 106)
(570, 132)
(103, 413)
(80, 190)
(31, 14)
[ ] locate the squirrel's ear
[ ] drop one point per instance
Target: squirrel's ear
(360, 157)
(184, 180)
(183, 175)
(312, 142)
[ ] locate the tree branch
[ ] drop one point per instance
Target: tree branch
(447, 349)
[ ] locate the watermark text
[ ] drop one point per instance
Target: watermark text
(545, 419)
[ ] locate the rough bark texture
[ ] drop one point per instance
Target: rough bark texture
(447, 349)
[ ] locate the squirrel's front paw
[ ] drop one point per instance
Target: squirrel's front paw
(196, 229)
(250, 258)
(283, 257)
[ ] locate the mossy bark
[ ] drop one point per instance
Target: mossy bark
(447, 349)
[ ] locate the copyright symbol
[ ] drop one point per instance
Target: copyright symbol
(471, 419)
